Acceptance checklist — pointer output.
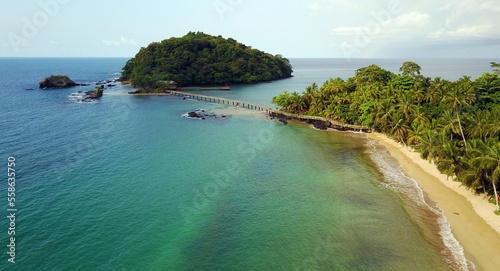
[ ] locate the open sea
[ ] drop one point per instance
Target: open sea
(127, 183)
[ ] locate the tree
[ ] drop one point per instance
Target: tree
(496, 67)
(451, 164)
(316, 106)
(415, 134)
(372, 74)
(480, 125)
(461, 94)
(329, 111)
(410, 68)
(491, 163)
(399, 127)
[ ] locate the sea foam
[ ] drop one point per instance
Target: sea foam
(409, 189)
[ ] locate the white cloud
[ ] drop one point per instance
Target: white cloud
(5, 44)
(444, 8)
(122, 41)
(317, 7)
(411, 20)
(467, 32)
(110, 43)
(408, 23)
(344, 3)
(125, 41)
(53, 42)
(490, 5)
(347, 30)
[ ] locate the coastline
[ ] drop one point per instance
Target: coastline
(471, 216)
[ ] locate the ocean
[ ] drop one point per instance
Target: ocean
(127, 183)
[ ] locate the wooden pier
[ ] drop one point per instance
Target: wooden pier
(276, 113)
(222, 100)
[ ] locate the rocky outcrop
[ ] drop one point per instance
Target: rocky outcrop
(320, 123)
(57, 81)
(97, 93)
(202, 114)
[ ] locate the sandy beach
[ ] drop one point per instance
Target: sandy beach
(471, 216)
(238, 111)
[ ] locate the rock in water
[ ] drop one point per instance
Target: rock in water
(320, 125)
(284, 121)
(194, 115)
(97, 93)
(57, 81)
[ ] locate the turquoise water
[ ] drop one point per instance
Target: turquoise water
(126, 183)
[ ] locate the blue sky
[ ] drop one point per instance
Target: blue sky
(307, 28)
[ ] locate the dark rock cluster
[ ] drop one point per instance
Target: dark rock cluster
(317, 123)
(57, 81)
(202, 114)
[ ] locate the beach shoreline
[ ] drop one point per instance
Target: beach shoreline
(471, 216)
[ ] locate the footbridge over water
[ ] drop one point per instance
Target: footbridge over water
(324, 122)
(222, 100)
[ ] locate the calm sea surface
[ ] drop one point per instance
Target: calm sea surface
(127, 183)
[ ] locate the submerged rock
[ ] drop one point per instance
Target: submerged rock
(202, 114)
(57, 81)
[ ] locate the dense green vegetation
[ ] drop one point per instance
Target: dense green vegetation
(454, 124)
(201, 59)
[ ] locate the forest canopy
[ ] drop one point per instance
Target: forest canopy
(201, 59)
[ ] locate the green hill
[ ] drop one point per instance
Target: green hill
(201, 59)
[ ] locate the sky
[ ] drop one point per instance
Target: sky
(292, 28)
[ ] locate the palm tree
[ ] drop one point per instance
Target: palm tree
(435, 91)
(316, 106)
(399, 128)
(419, 116)
(428, 144)
(405, 104)
(384, 111)
(451, 164)
(450, 124)
(282, 100)
(418, 92)
(296, 102)
(491, 163)
(474, 175)
(480, 125)
(308, 94)
(329, 111)
(494, 120)
(461, 94)
(415, 134)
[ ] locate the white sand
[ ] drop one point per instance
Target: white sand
(239, 111)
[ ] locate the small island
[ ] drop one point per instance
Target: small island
(57, 81)
(198, 59)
